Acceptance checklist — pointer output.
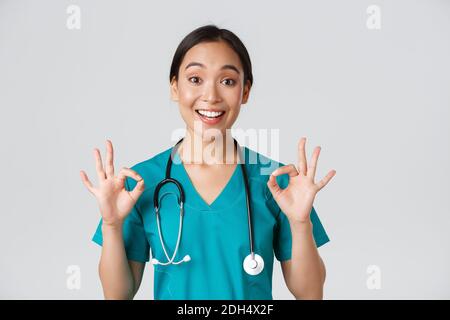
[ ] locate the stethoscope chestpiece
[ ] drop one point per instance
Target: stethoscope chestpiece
(253, 266)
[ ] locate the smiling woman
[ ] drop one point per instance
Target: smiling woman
(224, 211)
(211, 77)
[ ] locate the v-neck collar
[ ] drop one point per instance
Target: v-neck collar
(226, 198)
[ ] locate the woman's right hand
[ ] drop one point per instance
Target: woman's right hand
(114, 200)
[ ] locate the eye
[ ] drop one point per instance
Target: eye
(232, 82)
(197, 80)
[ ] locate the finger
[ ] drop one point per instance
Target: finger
(86, 182)
(289, 169)
(322, 183)
(99, 165)
(127, 172)
(302, 156)
(313, 163)
(109, 159)
(273, 186)
(140, 186)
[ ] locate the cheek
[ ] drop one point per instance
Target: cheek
(234, 97)
(187, 98)
(187, 94)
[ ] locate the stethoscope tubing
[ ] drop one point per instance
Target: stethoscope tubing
(251, 261)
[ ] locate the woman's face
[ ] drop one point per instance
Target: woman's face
(210, 81)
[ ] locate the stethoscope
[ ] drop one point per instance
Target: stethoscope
(253, 264)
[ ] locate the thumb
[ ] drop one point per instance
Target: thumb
(273, 186)
(138, 189)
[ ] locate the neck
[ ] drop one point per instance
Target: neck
(218, 150)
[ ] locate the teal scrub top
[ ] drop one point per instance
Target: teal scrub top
(215, 236)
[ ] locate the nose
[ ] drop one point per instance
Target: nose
(210, 93)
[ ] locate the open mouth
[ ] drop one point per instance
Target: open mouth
(210, 117)
(210, 114)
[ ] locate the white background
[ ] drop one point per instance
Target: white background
(376, 101)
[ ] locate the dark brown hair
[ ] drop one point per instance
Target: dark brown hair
(211, 33)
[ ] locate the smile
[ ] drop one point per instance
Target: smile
(210, 114)
(209, 117)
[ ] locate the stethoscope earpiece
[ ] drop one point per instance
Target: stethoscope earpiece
(185, 259)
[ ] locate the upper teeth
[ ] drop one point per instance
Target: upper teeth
(211, 114)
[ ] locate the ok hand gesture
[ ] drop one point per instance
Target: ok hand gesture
(296, 200)
(114, 200)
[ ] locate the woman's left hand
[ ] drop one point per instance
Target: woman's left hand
(296, 200)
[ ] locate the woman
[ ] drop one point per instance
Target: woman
(210, 77)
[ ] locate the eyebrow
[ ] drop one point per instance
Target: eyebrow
(224, 67)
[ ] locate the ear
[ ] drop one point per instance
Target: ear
(174, 89)
(246, 92)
